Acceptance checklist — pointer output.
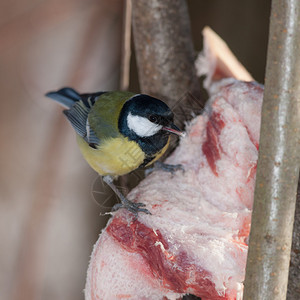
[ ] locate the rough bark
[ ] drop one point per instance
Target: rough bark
(278, 163)
(165, 54)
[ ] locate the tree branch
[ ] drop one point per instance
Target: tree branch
(165, 53)
(278, 163)
(126, 46)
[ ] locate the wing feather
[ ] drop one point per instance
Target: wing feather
(78, 117)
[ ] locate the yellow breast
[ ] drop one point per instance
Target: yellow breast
(115, 156)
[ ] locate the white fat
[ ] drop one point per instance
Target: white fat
(142, 126)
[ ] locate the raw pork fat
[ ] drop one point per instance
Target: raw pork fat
(195, 241)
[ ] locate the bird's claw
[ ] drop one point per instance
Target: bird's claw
(165, 167)
(171, 168)
(133, 207)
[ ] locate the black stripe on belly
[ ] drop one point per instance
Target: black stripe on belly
(153, 144)
(146, 161)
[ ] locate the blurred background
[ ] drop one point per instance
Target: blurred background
(50, 205)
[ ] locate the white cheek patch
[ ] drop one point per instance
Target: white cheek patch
(142, 126)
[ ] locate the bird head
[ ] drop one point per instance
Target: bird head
(144, 116)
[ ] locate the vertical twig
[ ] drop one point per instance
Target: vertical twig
(126, 47)
(278, 163)
(125, 68)
(165, 52)
(294, 272)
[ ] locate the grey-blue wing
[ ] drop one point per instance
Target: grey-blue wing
(78, 117)
(79, 106)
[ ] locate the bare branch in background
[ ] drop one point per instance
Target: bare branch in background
(294, 273)
(278, 163)
(126, 47)
(165, 53)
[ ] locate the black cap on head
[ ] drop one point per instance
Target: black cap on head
(149, 107)
(136, 117)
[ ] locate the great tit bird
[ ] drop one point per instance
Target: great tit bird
(118, 132)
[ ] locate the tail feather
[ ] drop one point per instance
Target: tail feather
(65, 96)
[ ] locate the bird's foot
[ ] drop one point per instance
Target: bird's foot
(165, 167)
(133, 207)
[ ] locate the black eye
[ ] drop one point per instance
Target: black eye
(153, 118)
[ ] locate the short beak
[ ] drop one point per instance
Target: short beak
(173, 129)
